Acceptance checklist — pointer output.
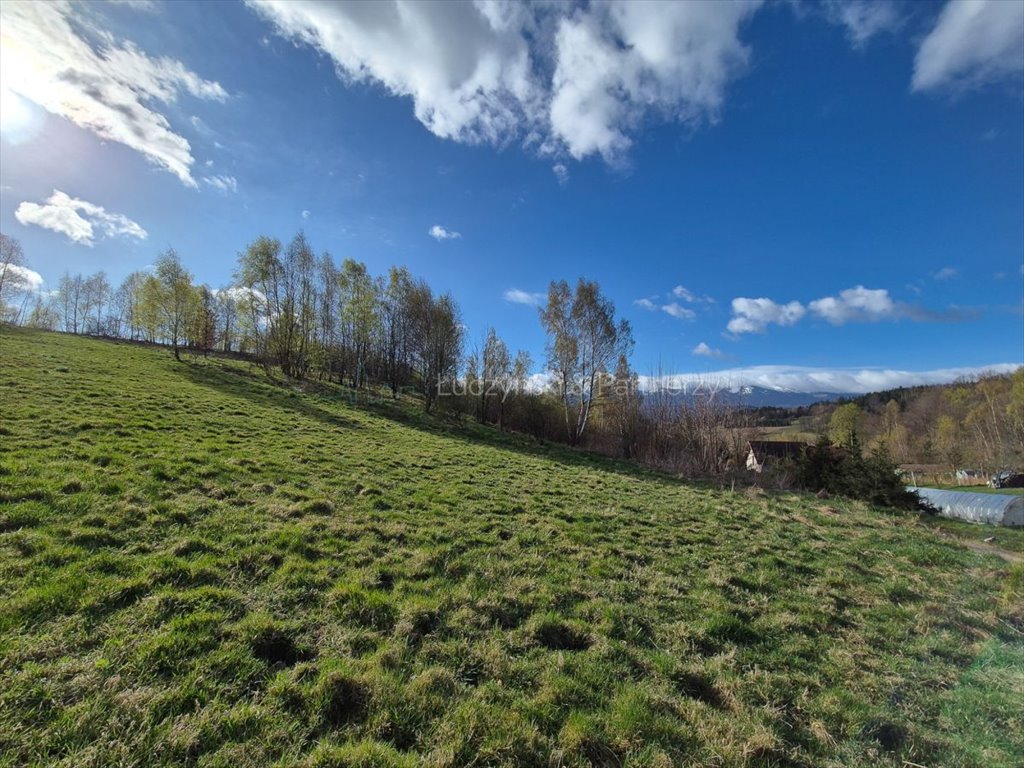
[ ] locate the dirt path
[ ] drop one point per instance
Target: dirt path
(990, 549)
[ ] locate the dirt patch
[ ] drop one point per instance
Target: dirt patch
(990, 549)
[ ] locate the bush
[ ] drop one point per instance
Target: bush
(873, 479)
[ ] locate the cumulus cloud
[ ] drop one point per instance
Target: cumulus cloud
(243, 295)
(863, 19)
(81, 221)
(647, 304)
(517, 296)
(946, 273)
(101, 85)
(439, 233)
(573, 79)
(22, 278)
(703, 350)
(853, 305)
(806, 379)
(618, 61)
(866, 305)
(222, 183)
(974, 42)
(858, 304)
(306, 214)
(561, 173)
(678, 311)
(754, 315)
(465, 66)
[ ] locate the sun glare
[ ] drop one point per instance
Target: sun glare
(20, 119)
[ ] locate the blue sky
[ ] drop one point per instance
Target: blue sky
(794, 192)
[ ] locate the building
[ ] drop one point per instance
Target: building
(762, 453)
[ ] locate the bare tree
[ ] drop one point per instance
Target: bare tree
(69, 299)
(12, 276)
(396, 327)
(437, 341)
(201, 322)
(127, 302)
(496, 370)
(43, 315)
(327, 314)
(624, 402)
(259, 272)
(583, 343)
(358, 306)
(95, 297)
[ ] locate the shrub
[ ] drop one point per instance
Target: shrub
(873, 479)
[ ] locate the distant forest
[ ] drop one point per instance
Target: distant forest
(976, 424)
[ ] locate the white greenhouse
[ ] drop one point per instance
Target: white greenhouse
(990, 508)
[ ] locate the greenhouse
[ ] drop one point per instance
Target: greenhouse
(989, 508)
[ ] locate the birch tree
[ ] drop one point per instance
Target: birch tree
(584, 341)
(12, 260)
(170, 292)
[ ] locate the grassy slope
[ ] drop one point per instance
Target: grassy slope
(199, 566)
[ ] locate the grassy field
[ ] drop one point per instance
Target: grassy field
(202, 566)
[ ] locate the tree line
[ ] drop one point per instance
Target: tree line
(976, 424)
(307, 316)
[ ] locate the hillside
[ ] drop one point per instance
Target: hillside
(203, 566)
(970, 423)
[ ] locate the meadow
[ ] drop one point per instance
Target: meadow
(204, 565)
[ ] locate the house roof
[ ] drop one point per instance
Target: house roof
(776, 449)
(925, 468)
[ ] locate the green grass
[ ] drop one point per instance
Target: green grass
(202, 566)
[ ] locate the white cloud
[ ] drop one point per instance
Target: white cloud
(222, 183)
(439, 233)
(101, 85)
(853, 305)
(858, 304)
(946, 273)
(145, 6)
(517, 296)
(617, 62)
(647, 304)
(863, 19)
(974, 42)
(754, 315)
(703, 350)
(684, 293)
(306, 214)
(243, 294)
(678, 311)
(806, 379)
(465, 66)
(23, 278)
(681, 292)
(564, 78)
(561, 173)
(78, 219)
